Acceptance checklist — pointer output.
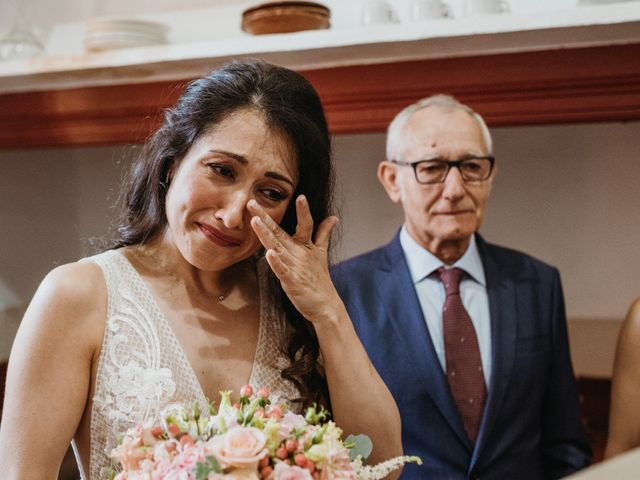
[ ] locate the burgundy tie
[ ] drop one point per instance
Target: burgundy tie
(462, 354)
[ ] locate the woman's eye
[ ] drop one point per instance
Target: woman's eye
(222, 170)
(274, 194)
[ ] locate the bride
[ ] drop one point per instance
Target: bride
(219, 277)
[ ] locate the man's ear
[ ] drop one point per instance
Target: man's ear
(388, 177)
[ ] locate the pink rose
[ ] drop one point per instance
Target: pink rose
(242, 474)
(289, 472)
(189, 456)
(239, 447)
(177, 475)
(288, 422)
(235, 475)
(337, 466)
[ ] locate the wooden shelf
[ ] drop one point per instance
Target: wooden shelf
(555, 86)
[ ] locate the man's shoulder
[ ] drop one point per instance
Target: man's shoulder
(362, 260)
(514, 260)
(358, 270)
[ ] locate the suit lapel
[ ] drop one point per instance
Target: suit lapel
(397, 292)
(503, 310)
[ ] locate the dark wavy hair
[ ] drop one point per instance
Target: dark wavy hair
(291, 107)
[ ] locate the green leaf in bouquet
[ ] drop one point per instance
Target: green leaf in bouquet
(272, 431)
(319, 434)
(202, 469)
(313, 416)
(248, 413)
(298, 432)
(358, 445)
(225, 400)
(222, 425)
(111, 473)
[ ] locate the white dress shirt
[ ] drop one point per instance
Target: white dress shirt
(423, 267)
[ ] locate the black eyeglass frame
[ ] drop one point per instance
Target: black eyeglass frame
(450, 164)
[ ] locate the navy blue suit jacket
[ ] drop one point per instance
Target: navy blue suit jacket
(531, 427)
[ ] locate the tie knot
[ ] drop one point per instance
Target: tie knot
(451, 279)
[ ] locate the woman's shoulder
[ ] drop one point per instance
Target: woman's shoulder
(634, 310)
(68, 311)
(629, 336)
(76, 282)
(71, 295)
(632, 320)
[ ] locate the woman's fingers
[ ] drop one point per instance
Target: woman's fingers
(266, 236)
(304, 229)
(269, 232)
(323, 234)
(277, 265)
(273, 237)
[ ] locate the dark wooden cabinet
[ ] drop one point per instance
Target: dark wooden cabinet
(562, 85)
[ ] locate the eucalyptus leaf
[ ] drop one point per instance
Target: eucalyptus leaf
(362, 446)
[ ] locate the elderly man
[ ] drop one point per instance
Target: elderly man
(470, 337)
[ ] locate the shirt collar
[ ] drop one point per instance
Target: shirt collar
(423, 263)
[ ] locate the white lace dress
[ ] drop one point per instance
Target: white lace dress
(142, 367)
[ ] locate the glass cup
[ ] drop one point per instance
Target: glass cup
(20, 42)
(485, 7)
(428, 10)
(378, 12)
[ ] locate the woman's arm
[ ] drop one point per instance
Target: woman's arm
(360, 400)
(624, 417)
(49, 373)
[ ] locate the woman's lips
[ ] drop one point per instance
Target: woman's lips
(218, 238)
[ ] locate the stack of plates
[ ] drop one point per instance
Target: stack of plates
(285, 17)
(111, 33)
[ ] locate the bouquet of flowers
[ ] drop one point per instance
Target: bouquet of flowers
(253, 439)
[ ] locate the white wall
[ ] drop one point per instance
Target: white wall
(52, 203)
(566, 194)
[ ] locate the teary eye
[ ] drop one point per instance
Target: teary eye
(274, 194)
(222, 170)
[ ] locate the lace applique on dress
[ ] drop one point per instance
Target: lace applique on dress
(142, 367)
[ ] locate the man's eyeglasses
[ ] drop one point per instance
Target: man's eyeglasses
(472, 169)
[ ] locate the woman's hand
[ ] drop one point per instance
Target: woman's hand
(301, 264)
(298, 261)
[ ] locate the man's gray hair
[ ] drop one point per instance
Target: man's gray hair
(394, 132)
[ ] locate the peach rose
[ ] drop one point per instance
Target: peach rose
(243, 474)
(239, 447)
(290, 472)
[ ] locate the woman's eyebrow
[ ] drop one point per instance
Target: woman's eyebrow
(279, 176)
(235, 156)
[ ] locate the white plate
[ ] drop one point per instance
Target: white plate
(106, 33)
(96, 36)
(126, 26)
(110, 42)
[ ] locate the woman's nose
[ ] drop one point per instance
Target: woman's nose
(233, 211)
